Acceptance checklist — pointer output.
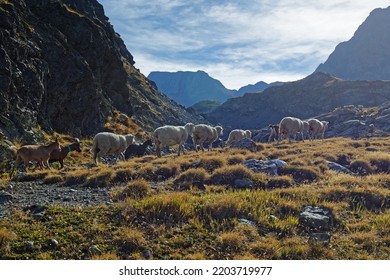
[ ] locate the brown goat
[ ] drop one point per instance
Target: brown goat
(60, 156)
(38, 153)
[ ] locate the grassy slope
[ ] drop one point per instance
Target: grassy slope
(158, 207)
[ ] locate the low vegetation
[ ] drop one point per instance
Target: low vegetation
(189, 207)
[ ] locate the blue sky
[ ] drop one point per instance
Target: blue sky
(236, 42)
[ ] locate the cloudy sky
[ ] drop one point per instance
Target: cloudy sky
(236, 42)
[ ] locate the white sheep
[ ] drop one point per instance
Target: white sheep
(205, 134)
(170, 135)
(107, 143)
(290, 126)
(238, 134)
(317, 128)
(306, 127)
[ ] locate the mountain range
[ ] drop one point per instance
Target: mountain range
(188, 88)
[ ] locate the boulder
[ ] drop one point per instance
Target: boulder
(316, 218)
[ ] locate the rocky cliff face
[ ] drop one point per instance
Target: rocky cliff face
(63, 68)
(314, 95)
(366, 55)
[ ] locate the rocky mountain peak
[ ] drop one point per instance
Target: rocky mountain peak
(366, 55)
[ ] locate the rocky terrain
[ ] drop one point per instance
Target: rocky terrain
(64, 68)
(314, 95)
(366, 55)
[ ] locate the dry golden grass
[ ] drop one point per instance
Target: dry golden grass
(175, 220)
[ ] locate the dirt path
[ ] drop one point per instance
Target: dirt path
(20, 195)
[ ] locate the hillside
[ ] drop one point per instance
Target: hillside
(314, 95)
(206, 206)
(366, 55)
(64, 68)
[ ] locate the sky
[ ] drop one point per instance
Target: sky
(237, 42)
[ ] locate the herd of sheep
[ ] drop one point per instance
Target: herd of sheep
(107, 143)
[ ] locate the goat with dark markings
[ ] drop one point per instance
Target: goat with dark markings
(65, 150)
(137, 149)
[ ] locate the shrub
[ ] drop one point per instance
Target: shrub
(123, 175)
(227, 175)
(362, 167)
(280, 182)
(300, 173)
(237, 159)
(167, 171)
(232, 241)
(76, 177)
(129, 240)
(6, 237)
(53, 178)
(381, 161)
(225, 207)
(135, 190)
(191, 177)
(100, 180)
(212, 163)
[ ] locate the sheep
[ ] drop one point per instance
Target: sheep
(290, 126)
(205, 134)
(274, 132)
(317, 128)
(137, 149)
(305, 127)
(169, 135)
(60, 156)
(238, 134)
(38, 153)
(106, 143)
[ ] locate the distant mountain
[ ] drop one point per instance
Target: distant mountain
(187, 88)
(316, 94)
(256, 87)
(366, 56)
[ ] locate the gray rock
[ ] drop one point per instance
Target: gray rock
(316, 218)
(339, 168)
(246, 222)
(94, 250)
(320, 237)
(243, 183)
(270, 166)
(53, 243)
(147, 254)
(245, 144)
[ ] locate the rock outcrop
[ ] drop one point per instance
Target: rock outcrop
(64, 68)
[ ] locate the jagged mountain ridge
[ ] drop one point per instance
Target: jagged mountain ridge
(64, 68)
(188, 88)
(366, 56)
(314, 95)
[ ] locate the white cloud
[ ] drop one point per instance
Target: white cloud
(236, 42)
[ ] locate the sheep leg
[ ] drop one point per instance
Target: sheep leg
(158, 150)
(61, 163)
